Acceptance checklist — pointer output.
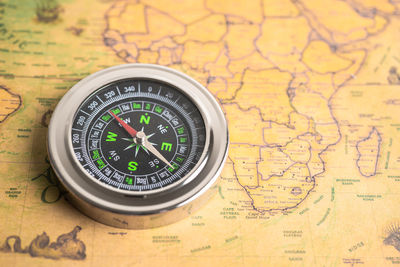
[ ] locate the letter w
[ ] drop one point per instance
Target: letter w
(111, 136)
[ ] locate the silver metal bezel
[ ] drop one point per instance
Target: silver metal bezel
(79, 183)
(110, 75)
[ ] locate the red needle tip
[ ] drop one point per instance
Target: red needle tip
(132, 132)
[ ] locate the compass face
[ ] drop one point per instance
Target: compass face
(167, 143)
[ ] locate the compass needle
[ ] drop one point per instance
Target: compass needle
(154, 151)
(132, 132)
(106, 156)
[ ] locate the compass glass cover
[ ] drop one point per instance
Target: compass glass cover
(170, 121)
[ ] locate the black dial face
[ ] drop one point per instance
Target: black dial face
(138, 135)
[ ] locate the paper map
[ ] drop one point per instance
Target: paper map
(311, 92)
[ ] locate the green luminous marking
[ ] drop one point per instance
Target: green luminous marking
(136, 105)
(175, 167)
(132, 166)
(128, 180)
(179, 159)
(182, 139)
(111, 136)
(96, 154)
(166, 127)
(100, 164)
(157, 166)
(106, 117)
(147, 106)
(116, 111)
(181, 130)
(158, 109)
(145, 119)
(166, 146)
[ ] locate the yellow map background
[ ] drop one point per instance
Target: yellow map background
(311, 92)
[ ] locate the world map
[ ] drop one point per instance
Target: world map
(310, 90)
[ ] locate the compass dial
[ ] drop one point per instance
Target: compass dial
(168, 121)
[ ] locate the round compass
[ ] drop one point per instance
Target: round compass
(138, 145)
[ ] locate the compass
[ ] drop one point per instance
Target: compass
(138, 145)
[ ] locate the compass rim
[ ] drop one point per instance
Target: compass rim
(193, 193)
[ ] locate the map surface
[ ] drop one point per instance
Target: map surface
(311, 92)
